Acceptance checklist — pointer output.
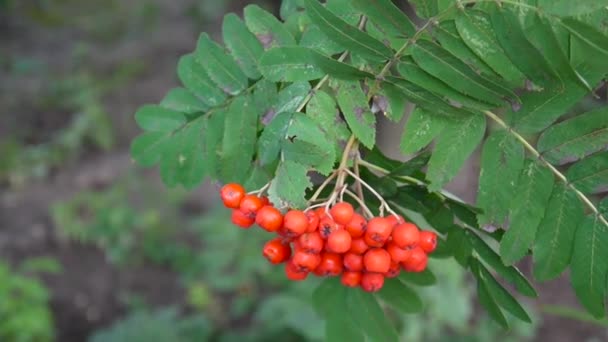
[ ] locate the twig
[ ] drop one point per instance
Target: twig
(361, 203)
(371, 189)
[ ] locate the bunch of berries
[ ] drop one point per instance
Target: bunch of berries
(338, 242)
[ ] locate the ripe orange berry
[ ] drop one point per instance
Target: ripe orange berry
(293, 273)
(342, 212)
(331, 265)
(295, 223)
(406, 235)
(269, 218)
(276, 251)
(428, 241)
(394, 270)
(372, 282)
(395, 220)
(305, 262)
(321, 212)
(378, 231)
(397, 253)
(358, 246)
(327, 226)
(232, 194)
(417, 261)
(250, 204)
(351, 279)
(265, 200)
(241, 219)
(339, 241)
(357, 225)
(313, 221)
(311, 242)
(353, 262)
(377, 260)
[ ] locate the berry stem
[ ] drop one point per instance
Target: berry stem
(371, 189)
(344, 161)
(361, 203)
(322, 186)
(260, 190)
(358, 187)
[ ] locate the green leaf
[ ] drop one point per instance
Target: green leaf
(395, 100)
(338, 70)
(553, 246)
(323, 110)
(307, 154)
(265, 96)
(519, 50)
(486, 299)
(459, 244)
(270, 142)
(369, 316)
(575, 138)
(425, 8)
(289, 185)
(502, 160)
(400, 296)
(589, 265)
(329, 296)
(148, 147)
(355, 108)
(346, 35)
(413, 73)
(213, 135)
(220, 67)
(315, 39)
(510, 273)
(438, 62)
(587, 34)
(424, 278)
(478, 34)
(158, 119)
(454, 145)
(500, 294)
(289, 64)
(305, 129)
(387, 16)
(566, 8)
(590, 175)
(409, 167)
(182, 161)
(447, 35)
(290, 98)
(339, 328)
(268, 29)
(239, 139)
(243, 45)
(526, 211)
(182, 100)
(421, 128)
(194, 77)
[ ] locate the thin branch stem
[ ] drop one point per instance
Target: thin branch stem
(358, 186)
(555, 171)
(373, 191)
(260, 191)
(344, 161)
(361, 203)
(322, 186)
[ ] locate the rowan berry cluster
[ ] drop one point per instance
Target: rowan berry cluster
(334, 242)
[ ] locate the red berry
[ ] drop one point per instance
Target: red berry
(428, 241)
(342, 212)
(305, 262)
(321, 212)
(378, 231)
(241, 219)
(417, 261)
(395, 220)
(394, 270)
(339, 241)
(250, 204)
(276, 252)
(232, 194)
(353, 262)
(406, 235)
(293, 273)
(331, 265)
(377, 260)
(265, 200)
(327, 226)
(358, 246)
(357, 225)
(372, 282)
(295, 223)
(311, 242)
(351, 279)
(313, 221)
(269, 218)
(397, 253)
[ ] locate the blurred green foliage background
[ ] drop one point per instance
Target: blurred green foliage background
(94, 248)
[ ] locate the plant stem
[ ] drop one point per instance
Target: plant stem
(344, 161)
(358, 186)
(372, 190)
(359, 200)
(322, 186)
(555, 171)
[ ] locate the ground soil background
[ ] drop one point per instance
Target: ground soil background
(87, 295)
